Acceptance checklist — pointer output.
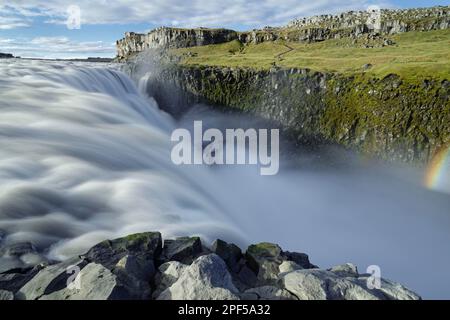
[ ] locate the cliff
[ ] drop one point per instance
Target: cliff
(6, 55)
(402, 120)
(140, 267)
(319, 28)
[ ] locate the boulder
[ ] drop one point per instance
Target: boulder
(315, 284)
(169, 273)
(229, 252)
(183, 249)
(131, 259)
(95, 283)
(207, 278)
(345, 270)
(265, 259)
(143, 246)
(50, 279)
(271, 293)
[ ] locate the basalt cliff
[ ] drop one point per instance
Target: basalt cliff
(390, 117)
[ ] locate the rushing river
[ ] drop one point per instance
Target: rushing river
(84, 156)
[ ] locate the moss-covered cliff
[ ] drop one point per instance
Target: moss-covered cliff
(392, 118)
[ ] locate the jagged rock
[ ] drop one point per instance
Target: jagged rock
(95, 283)
(49, 279)
(183, 249)
(170, 272)
(317, 284)
(392, 290)
(229, 252)
(265, 259)
(131, 259)
(143, 246)
(19, 256)
(288, 266)
(207, 278)
(271, 293)
(15, 279)
(345, 270)
(6, 295)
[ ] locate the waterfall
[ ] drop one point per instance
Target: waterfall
(84, 156)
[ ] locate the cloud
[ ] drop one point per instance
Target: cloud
(209, 13)
(56, 47)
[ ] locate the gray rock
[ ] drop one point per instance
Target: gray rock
(131, 259)
(95, 283)
(265, 258)
(49, 279)
(229, 252)
(271, 293)
(6, 295)
(391, 290)
(345, 270)
(183, 249)
(288, 266)
(315, 284)
(170, 272)
(143, 246)
(207, 278)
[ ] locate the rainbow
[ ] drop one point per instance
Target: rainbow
(437, 175)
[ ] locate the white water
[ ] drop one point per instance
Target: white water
(85, 157)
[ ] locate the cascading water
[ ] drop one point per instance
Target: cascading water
(85, 157)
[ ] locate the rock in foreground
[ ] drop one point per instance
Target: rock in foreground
(139, 267)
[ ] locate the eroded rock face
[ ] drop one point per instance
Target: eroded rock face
(125, 269)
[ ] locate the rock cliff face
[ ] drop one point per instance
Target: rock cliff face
(140, 267)
(319, 28)
(172, 38)
(393, 119)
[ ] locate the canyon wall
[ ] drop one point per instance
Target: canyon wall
(350, 24)
(390, 118)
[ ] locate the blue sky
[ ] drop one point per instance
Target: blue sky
(37, 28)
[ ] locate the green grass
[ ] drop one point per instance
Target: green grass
(414, 55)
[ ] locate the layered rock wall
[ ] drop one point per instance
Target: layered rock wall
(319, 28)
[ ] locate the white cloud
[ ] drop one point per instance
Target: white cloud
(56, 47)
(252, 13)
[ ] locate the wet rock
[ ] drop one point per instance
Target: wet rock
(288, 266)
(170, 272)
(183, 249)
(265, 259)
(207, 278)
(143, 246)
(229, 252)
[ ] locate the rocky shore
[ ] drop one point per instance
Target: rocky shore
(143, 266)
